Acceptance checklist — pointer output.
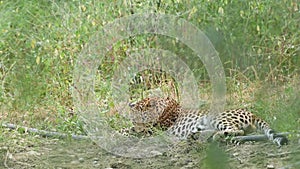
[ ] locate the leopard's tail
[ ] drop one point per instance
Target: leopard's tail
(269, 132)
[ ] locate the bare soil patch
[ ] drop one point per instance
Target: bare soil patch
(28, 151)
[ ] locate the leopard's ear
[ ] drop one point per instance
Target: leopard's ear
(132, 104)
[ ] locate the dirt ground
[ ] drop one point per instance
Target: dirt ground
(29, 151)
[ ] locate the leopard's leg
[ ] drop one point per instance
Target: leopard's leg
(137, 130)
(203, 135)
(125, 131)
(228, 133)
(269, 132)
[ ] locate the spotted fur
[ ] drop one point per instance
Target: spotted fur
(183, 123)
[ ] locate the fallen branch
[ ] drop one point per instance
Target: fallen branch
(256, 137)
(44, 133)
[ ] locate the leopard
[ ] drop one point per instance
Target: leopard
(185, 123)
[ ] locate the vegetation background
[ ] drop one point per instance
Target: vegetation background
(258, 43)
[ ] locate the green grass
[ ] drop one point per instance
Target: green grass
(280, 107)
(258, 43)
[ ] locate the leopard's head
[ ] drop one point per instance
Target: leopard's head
(155, 110)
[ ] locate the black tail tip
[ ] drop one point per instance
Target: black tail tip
(281, 141)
